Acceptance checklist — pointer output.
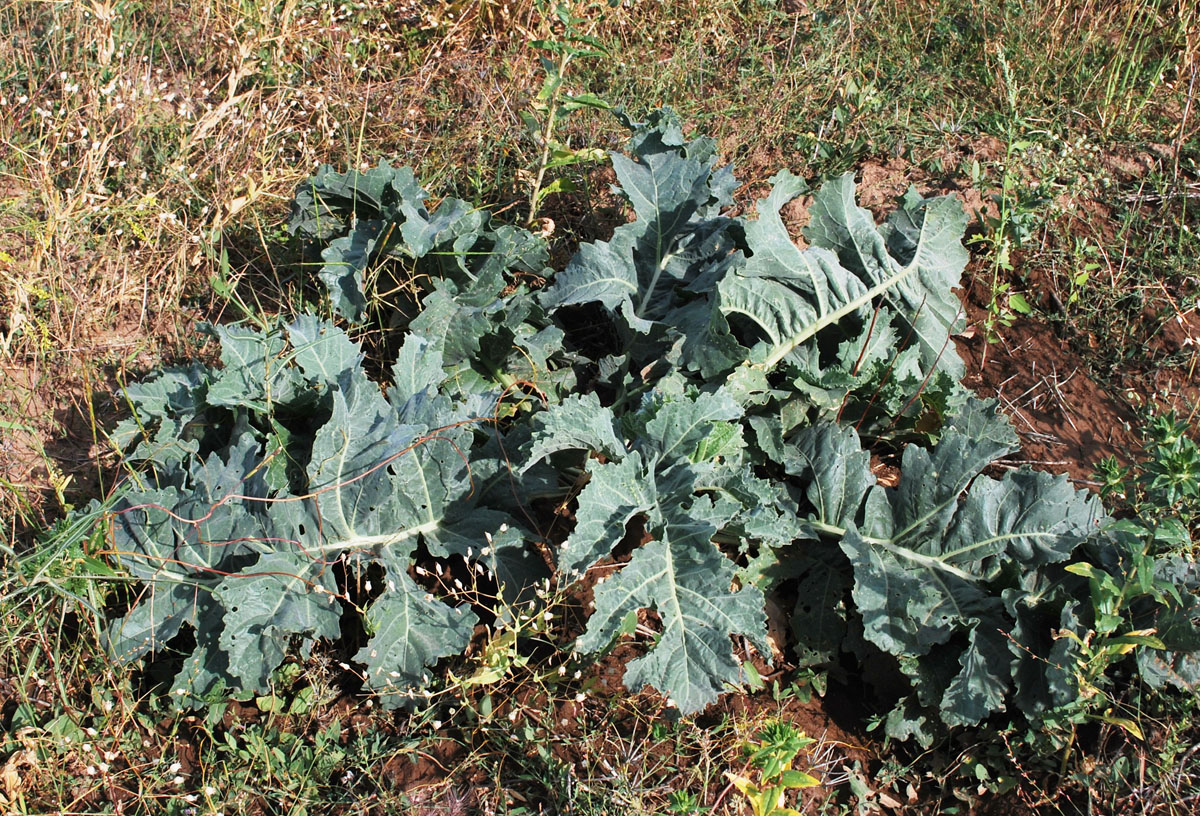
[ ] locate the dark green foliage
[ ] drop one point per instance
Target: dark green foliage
(709, 426)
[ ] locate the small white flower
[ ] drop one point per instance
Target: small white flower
(177, 781)
(209, 790)
(175, 766)
(91, 770)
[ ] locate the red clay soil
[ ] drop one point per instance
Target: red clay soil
(1065, 420)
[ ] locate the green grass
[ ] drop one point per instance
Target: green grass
(142, 143)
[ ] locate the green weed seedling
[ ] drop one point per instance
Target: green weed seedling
(1163, 487)
(553, 104)
(1018, 212)
(1119, 595)
(683, 803)
(777, 748)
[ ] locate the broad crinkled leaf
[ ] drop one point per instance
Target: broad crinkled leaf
(1043, 660)
(914, 587)
(830, 460)
(162, 408)
(349, 472)
(189, 541)
(912, 598)
(579, 422)
(980, 689)
(919, 285)
(325, 203)
(788, 293)
(418, 368)
(153, 621)
(615, 493)
(704, 343)
(819, 617)
(642, 272)
(932, 481)
(255, 373)
(410, 630)
(381, 213)
(684, 578)
(452, 221)
(680, 425)
(928, 561)
(267, 603)
(322, 351)
(480, 335)
(345, 263)
(1039, 518)
(225, 548)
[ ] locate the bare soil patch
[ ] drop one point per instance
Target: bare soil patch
(1066, 421)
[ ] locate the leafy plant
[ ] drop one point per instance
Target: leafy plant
(778, 745)
(1013, 225)
(378, 240)
(683, 391)
(1163, 487)
(553, 105)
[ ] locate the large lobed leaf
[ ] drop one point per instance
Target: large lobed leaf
(250, 567)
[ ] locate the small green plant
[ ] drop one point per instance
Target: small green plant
(772, 755)
(1171, 476)
(553, 105)
(1133, 599)
(1085, 263)
(1015, 221)
(1163, 486)
(684, 803)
